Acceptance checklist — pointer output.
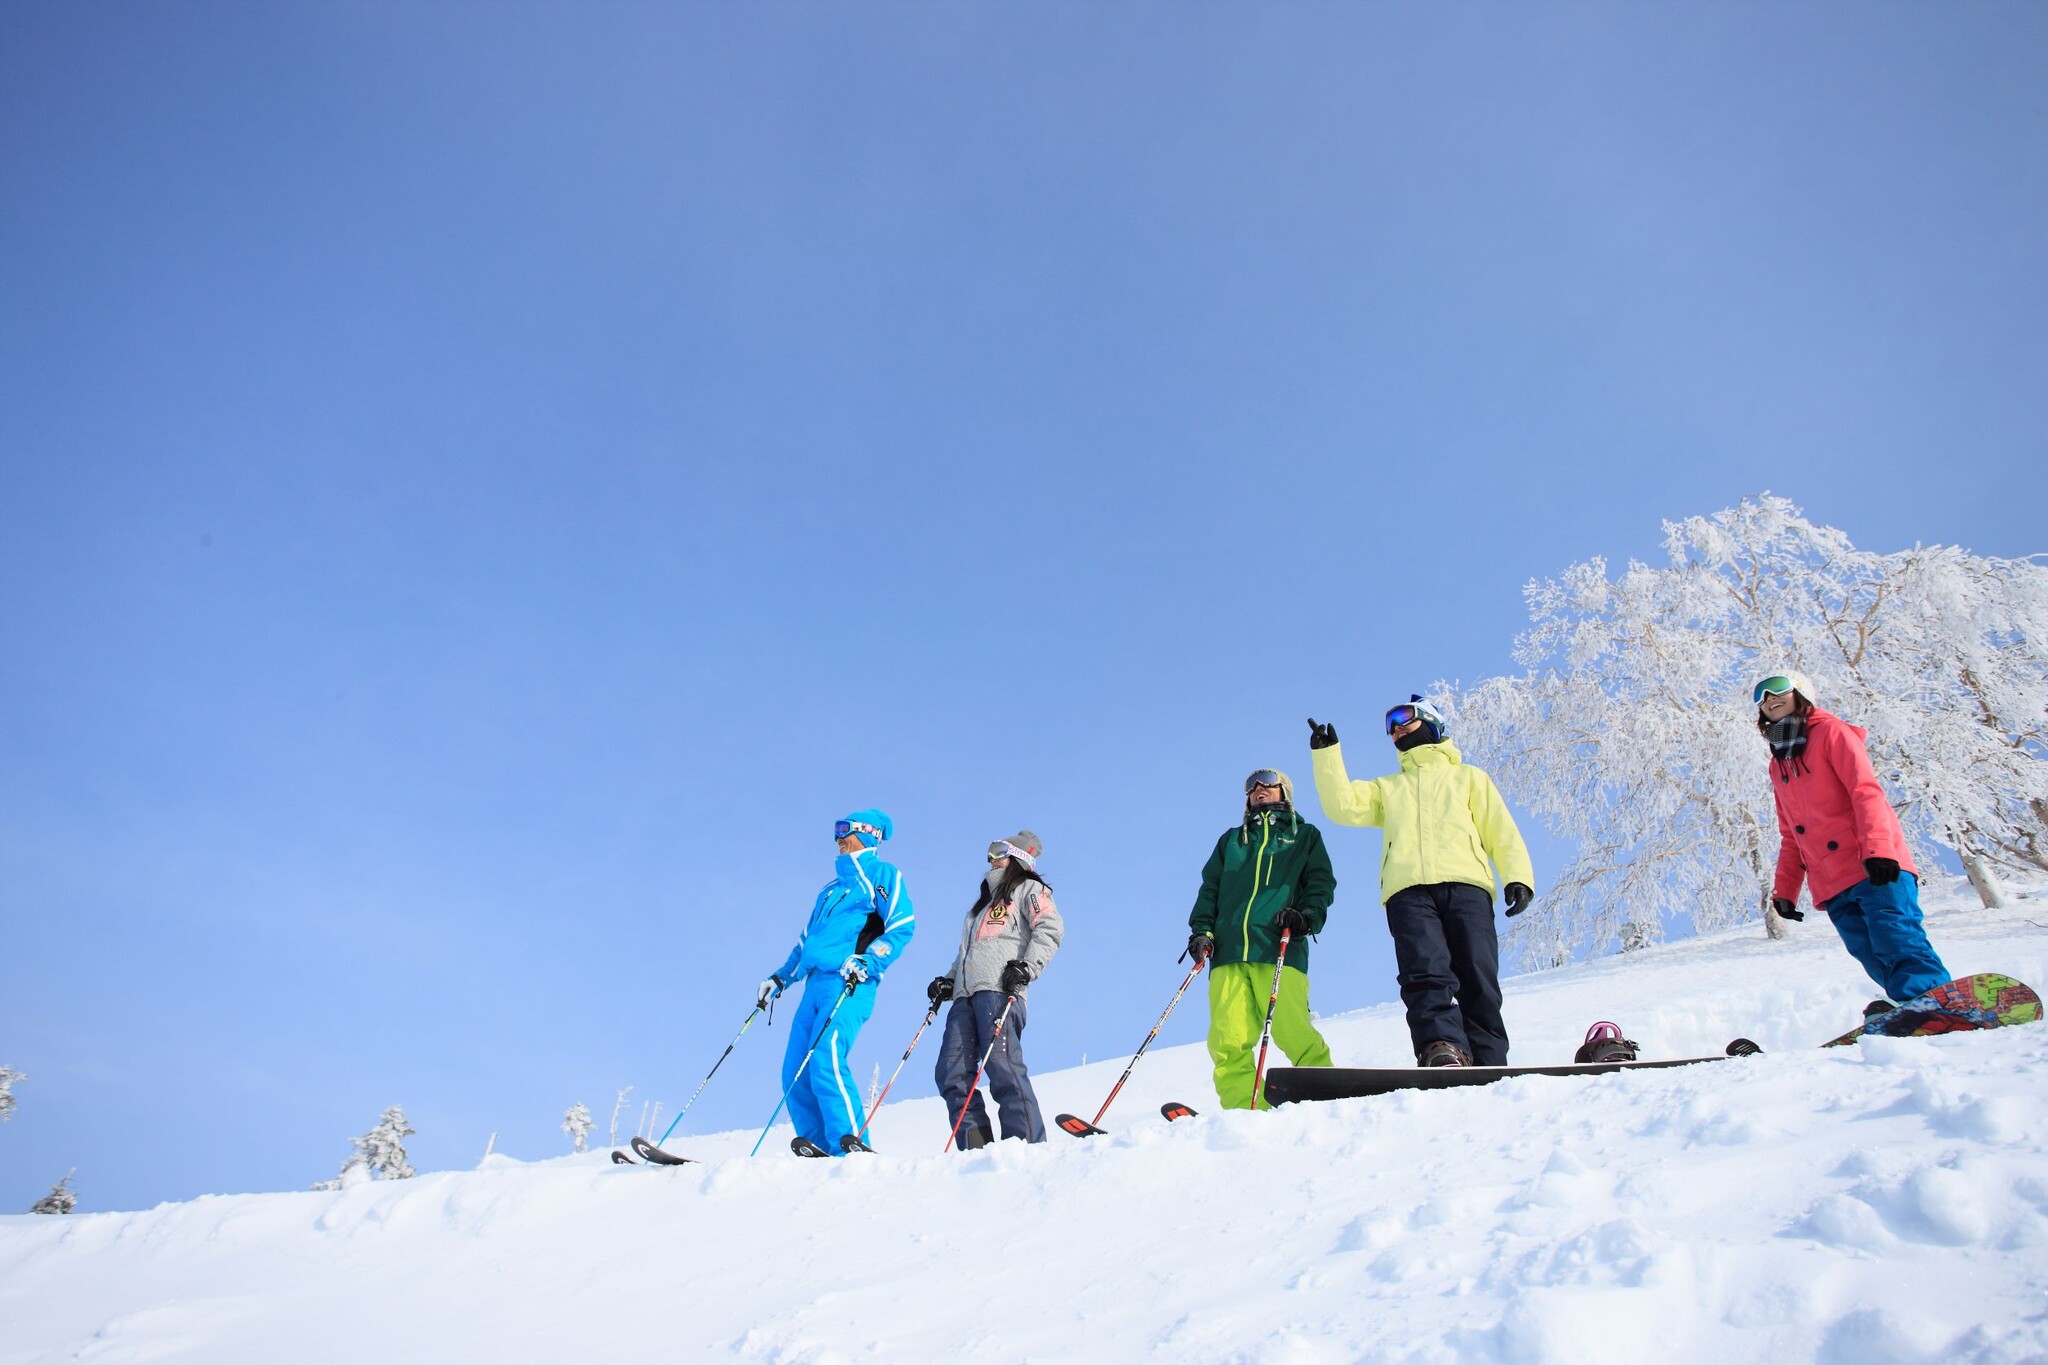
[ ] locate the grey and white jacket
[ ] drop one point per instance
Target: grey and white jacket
(999, 932)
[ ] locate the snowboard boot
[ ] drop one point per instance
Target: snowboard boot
(1443, 1052)
(1877, 1007)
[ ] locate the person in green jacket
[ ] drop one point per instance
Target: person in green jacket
(1269, 871)
(1447, 830)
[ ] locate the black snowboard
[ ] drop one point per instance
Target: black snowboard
(1289, 1084)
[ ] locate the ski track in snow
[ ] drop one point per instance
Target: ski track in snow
(1884, 1203)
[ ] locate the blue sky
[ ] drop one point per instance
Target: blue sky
(482, 487)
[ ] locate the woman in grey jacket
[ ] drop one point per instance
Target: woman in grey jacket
(1011, 933)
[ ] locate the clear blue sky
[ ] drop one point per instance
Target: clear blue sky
(483, 486)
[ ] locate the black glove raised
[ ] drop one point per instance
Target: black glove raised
(1883, 871)
(1200, 947)
(940, 991)
(1016, 976)
(1292, 920)
(1518, 897)
(1321, 736)
(1786, 909)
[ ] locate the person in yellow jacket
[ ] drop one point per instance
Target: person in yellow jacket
(1447, 830)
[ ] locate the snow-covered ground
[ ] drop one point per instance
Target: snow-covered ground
(1863, 1205)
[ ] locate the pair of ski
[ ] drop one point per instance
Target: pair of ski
(802, 1146)
(1080, 1127)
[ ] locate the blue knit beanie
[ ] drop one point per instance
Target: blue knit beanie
(879, 819)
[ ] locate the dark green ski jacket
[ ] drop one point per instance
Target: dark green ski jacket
(1260, 867)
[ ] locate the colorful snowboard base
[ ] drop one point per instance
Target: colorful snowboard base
(1293, 1084)
(1986, 1000)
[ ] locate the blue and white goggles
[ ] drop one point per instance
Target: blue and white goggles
(845, 827)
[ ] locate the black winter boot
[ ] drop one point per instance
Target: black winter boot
(1443, 1053)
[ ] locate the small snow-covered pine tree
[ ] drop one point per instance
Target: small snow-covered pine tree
(577, 1123)
(61, 1198)
(8, 1076)
(1632, 734)
(379, 1153)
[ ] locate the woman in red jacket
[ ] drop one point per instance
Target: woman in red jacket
(1838, 834)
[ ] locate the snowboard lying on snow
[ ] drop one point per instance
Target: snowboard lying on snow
(1987, 1000)
(1288, 1084)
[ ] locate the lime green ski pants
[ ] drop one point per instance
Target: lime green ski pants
(1238, 992)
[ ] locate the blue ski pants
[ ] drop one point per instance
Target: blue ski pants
(824, 1103)
(1449, 962)
(970, 1024)
(1880, 926)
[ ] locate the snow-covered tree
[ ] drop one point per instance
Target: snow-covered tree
(1631, 731)
(61, 1198)
(617, 1105)
(577, 1123)
(8, 1076)
(379, 1154)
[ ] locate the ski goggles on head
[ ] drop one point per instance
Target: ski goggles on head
(1003, 848)
(1264, 777)
(1777, 685)
(1401, 715)
(845, 827)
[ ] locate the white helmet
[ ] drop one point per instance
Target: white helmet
(1791, 680)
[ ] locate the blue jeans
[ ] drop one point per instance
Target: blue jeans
(1880, 926)
(969, 1026)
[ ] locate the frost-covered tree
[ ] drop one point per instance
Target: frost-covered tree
(619, 1104)
(1631, 731)
(8, 1076)
(61, 1198)
(577, 1123)
(379, 1154)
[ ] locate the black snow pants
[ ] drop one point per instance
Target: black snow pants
(970, 1027)
(1449, 960)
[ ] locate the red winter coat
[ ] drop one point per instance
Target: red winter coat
(1832, 813)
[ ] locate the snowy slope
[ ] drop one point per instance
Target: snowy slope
(1881, 1203)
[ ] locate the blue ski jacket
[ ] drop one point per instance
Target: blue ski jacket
(864, 900)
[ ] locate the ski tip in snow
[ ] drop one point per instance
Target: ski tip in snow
(1742, 1047)
(1174, 1109)
(1078, 1127)
(651, 1153)
(803, 1146)
(851, 1143)
(619, 1158)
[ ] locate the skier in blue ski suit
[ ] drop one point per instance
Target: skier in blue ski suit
(859, 926)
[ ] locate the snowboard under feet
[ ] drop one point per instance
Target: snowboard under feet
(1986, 1000)
(1293, 1084)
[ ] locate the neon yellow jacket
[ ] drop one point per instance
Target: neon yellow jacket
(1445, 821)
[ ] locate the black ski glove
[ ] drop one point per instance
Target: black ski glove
(1883, 871)
(1200, 947)
(1292, 920)
(1786, 909)
(1518, 897)
(1321, 736)
(1016, 976)
(940, 991)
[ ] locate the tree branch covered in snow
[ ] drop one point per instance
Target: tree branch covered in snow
(61, 1198)
(577, 1123)
(1631, 731)
(8, 1076)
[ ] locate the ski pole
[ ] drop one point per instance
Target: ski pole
(929, 1015)
(844, 996)
(994, 1038)
(1185, 982)
(708, 1075)
(1266, 1034)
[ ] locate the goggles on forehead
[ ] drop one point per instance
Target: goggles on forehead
(1400, 715)
(1264, 777)
(1777, 685)
(846, 827)
(1003, 848)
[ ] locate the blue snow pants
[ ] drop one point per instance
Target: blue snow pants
(1880, 926)
(824, 1103)
(970, 1023)
(1449, 960)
